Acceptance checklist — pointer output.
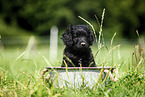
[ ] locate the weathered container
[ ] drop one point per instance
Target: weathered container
(75, 76)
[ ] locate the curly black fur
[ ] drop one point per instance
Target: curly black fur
(78, 39)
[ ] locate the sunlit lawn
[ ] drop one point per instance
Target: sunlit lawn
(10, 55)
(20, 70)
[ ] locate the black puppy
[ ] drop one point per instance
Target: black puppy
(78, 39)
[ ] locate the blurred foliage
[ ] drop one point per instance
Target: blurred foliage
(37, 16)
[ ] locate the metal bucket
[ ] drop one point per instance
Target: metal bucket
(75, 76)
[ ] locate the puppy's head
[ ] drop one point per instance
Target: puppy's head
(78, 36)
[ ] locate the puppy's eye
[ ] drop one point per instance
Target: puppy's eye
(77, 34)
(80, 33)
(84, 34)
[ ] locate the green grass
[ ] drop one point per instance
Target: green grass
(20, 75)
(20, 71)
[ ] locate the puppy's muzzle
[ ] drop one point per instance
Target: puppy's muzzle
(83, 44)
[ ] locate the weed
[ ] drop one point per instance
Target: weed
(20, 73)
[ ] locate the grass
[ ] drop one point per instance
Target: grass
(20, 71)
(21, 77)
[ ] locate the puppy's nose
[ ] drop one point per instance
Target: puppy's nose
(83, 44)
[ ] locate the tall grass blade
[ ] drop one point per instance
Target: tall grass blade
(99, 79)
(66, 70)
(119, 56)
(90, 64)
(137, 34)
(111, 51)
(101, 26)
(68, 59)
(2, 59)
(102, 71)
(46, 60)
(98, 51)
(133, 58)
(139, 64)
(103, 39)
(107, 74)
(83, 78)
(136, 57)
(113, 39)
(112, 46)
(20, 56)
(30, 47)
(89, 25)
(97, 20)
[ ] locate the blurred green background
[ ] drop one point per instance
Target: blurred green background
(25, 42)
(19, 19)
(24, 17)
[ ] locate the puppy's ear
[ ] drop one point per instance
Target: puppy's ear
(67, 36)
(91, 35)
(91, 38)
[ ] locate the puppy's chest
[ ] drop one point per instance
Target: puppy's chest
(81, 58)
(74, 56)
